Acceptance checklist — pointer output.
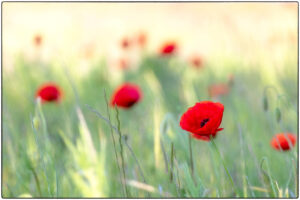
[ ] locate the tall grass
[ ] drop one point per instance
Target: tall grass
(83, 148)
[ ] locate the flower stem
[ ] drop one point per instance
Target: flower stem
(125, 142)
(36, 180)
(172, 158)
(113, 138)
(224, 165)
(191, 155)
(191, 159)
(121, 152)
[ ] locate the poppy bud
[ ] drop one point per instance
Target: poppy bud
(265, 103)
(36, 123)
(278, 115)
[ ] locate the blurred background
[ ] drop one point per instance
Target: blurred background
(222, 28)
(243, 55)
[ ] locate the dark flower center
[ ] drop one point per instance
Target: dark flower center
(203, 122)
(130, 103)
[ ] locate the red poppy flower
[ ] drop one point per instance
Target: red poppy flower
(141, 39)
(87, 51)
(204, 137)
(203, 119)
(49, 93)
(125, 43)
(197, 62)
(284, 141)
(37, 40)
(168, 48)
(126, 95)
(217, 90)
(123, 63)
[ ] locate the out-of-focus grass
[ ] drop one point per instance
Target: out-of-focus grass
(71, 154)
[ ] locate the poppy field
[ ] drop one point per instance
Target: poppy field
(157, 120)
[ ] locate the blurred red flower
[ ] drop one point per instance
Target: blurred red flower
(49, 93)
(197, 62)
(126, 95)
(168, 48)
(141, 39)
(203, 119)
(284, 141)
(87, 51)
(37, 40)
(123, 63)
(217, 90)
(125, 43)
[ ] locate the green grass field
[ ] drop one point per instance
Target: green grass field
(66, 149)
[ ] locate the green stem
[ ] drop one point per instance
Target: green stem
(42, 117)
(214, 166)
(42, 148)
(113, 139)
(125, 142)
(177, 172)
(191, 155)
(172, 158)
(121, 151)
(36, 181)
(224, 165)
